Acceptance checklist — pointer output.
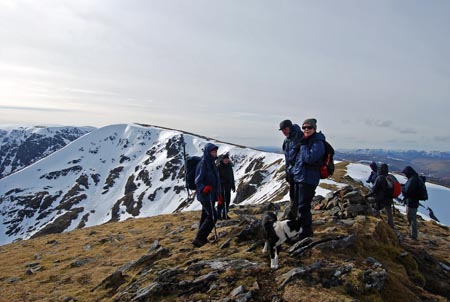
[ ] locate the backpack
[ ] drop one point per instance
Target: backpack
(327, 168)
(422, 193)
(191, 166)
(394, 186)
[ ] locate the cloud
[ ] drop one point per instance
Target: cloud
(442, 138)
(45, 109)
(406, 130)
(379, 123)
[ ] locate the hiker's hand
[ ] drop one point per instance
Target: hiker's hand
(220, 201)
(207, 189)
(233, 188)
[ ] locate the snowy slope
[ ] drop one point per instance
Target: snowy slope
(117, 172)
(439, 196)
(122, 171)
(22, 146)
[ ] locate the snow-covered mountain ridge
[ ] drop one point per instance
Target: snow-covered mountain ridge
(123, 171)
(117, 172)
(22, 146)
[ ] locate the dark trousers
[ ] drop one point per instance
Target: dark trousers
(226, 194)
(304, 194)
(293, 203)
(207, 220)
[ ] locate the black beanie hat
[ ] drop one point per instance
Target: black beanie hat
(284, 124)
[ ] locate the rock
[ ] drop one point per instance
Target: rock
(226, 244)
(81, 262)
(154, 246)
(146, 293)
(374, 279)
(237, 291)
(298, 272)
(338, 243)
(113, 281)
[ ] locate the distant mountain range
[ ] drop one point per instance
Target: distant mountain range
(22, 146)
(435, 165)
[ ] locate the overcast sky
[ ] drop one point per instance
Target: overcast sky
(375, 74)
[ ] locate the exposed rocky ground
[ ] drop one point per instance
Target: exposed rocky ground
(353, 256)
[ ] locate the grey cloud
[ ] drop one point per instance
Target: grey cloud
(46, 109)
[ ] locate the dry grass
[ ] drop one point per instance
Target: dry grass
(107, 247)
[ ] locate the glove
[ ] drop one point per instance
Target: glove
(220, 201)
(207, 189)
(233, 188)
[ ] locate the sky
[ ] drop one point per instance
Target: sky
(375, 74)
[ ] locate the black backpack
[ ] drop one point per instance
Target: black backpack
(422, 193)
(191, 166)
(327, 168)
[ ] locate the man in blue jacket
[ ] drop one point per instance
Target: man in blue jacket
(207, 181)
(307, 172)
(291, 146)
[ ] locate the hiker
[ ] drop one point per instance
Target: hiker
(307, 173)
(291, 146)
(409, 192)
(383, 194)
(208, 191)
(373, 174)
(227, 184)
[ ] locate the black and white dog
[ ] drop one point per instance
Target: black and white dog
(275, 233)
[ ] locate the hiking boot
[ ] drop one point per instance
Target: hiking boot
(199, 243)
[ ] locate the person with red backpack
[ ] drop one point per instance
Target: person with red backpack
(382, 192)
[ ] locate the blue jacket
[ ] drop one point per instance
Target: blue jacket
(309, 159)
(410, 188)
(291, 147)
(207, 174)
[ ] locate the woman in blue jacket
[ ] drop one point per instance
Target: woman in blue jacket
(307, 172)
(207, 181)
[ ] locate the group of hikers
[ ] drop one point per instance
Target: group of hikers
(304, 149)
(381, 194)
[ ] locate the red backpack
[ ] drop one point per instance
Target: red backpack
(394, 185)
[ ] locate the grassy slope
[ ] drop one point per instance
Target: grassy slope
(108, 247)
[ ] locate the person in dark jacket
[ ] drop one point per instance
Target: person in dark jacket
(306, 172)
(208, 189)
(291, 146)
(409, 192)
(373, 174)
(227, 184)
(383, 193)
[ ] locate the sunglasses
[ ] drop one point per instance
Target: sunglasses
(307, 127)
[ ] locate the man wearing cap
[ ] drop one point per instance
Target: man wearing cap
(207, 181)
(307, 172)
(291, 147)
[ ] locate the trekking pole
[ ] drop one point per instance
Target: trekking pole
(216, 238)
(183, 144)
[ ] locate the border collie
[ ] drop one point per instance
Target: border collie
(275, 233)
